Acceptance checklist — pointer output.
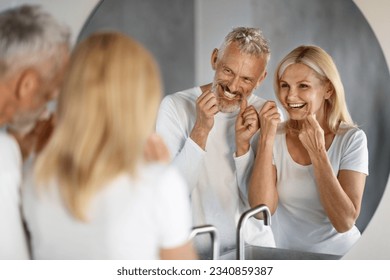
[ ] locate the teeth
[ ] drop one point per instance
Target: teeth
(229, 95)
(296, 105)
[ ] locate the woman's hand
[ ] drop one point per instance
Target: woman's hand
(269, 119)
(156, 150)
(312, 136)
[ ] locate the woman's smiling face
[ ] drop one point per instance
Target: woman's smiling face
(302, 92)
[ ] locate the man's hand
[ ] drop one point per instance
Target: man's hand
(247, 123)
(206, 108)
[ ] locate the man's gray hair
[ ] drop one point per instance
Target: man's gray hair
(29, 36)
(250, 41)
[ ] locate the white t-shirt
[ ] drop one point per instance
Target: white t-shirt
(217, 179)
(127, 219)
(13, 242)
(300, 221)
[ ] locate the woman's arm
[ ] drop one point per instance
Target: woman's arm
(340, 195)
(262, 184)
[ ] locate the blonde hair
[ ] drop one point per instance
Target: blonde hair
(106, 111)
(322, 63)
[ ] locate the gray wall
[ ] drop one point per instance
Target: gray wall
(165, 27)
(182, 35)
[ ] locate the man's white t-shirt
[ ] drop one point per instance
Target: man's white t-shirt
(13, 241)
(217, 179)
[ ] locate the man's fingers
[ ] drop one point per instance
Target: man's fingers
(207, 101)
(205, 96)
(243, 104)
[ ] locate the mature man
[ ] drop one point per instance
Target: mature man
(210, 130)
(34, 50)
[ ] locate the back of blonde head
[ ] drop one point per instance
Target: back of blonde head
(106, 111)
(323, 65)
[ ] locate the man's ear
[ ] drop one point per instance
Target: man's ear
(27, 85)
(261, 79)
(214, 58)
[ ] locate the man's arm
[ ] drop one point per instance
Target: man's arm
(172, 126)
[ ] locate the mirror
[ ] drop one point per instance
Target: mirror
(182, 34)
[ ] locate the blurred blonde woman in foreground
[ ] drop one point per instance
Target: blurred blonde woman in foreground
(97, 191)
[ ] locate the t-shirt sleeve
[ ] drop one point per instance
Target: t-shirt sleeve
(244, 166)
(175, 214)
(355, 154)
(186, 155)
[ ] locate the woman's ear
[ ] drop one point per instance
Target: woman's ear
(28, 84)
(329, 90)
(214, 59)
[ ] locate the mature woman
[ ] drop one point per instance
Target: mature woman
(94, 195)
(311, 170)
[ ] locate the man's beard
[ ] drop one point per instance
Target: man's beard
(23, 123)
(226, 105)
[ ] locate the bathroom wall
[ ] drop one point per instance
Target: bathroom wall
(64, 11)
(166, 28)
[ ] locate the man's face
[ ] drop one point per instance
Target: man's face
(236, 76)
(34, 105)
(8, 104)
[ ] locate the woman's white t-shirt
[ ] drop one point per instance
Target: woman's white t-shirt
(300, 221)
(127, 219)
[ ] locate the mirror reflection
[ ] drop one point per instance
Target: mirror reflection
(270, 115)
(348, 40)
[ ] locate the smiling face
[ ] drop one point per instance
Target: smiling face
(236, 76)
(302, 92)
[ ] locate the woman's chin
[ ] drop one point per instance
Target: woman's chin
(297, 116)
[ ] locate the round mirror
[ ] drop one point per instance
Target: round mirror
(182, 35)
